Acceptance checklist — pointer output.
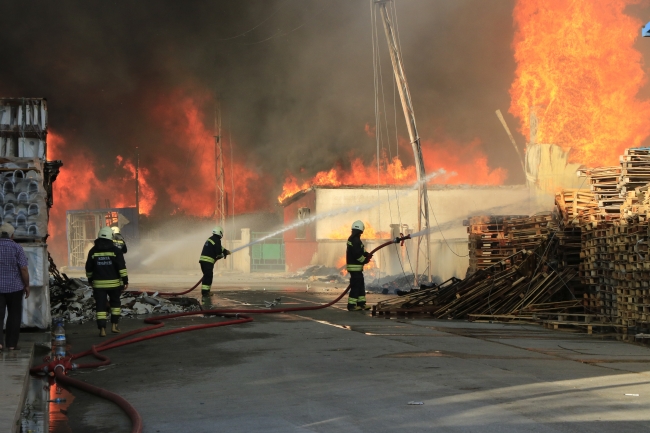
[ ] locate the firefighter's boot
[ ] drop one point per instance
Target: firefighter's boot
(115, 329)
(102, 332)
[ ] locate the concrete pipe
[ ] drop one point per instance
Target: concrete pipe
(9, 219)
(9, 210)
(17, 175)
(10, 197)
(23, 198)
(32, 230)
(32, 187)
(8, 187)
(33, 210)
(2, 198)
(21, 220)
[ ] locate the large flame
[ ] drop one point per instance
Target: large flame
(465, 163)
(187, 167)
(78, 187)
(578, 69)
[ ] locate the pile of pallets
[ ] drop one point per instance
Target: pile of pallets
(528, 232)
(603, 182)
(635, 170)
(516, 292)
(575, 206)
(488, 244)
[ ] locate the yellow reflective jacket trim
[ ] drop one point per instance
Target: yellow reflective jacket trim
(354, 268)
(123, 273)
(89, 274)
(211, 241)
(108, 254)
(101, 315)
(362, 259)
(106, 284)
(206, 259)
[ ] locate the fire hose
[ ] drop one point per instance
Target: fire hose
(59, 366)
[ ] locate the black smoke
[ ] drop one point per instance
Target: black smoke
(295, 77)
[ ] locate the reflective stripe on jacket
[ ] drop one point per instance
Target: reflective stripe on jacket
(356, 254)
(212, 250)
(105, 267)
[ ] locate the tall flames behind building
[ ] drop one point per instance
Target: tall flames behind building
(175, 177)
(578, 70)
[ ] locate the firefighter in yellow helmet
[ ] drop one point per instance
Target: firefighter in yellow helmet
(356, 256)
(212, 251)
(106, 272)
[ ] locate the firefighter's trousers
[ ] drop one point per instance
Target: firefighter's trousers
(206, 281)
(357, 290)
(104, 298)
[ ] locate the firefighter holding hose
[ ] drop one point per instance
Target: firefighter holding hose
(212, 251)
(106, 272)
(356, 256)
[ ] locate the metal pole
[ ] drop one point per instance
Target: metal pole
(409, 114)
(137, 181)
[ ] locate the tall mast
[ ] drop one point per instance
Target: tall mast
(137, 181)
(220, 202)
(409, 114)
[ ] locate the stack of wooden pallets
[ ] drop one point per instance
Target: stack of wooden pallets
(635, 170)
(488, 244)
(603, 182)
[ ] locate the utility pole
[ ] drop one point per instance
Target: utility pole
(137, 181)
(220, 203)
(409, 114)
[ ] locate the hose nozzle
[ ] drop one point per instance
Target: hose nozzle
(400, 240)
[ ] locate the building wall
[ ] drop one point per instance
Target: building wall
(300, 251)
(450, 205)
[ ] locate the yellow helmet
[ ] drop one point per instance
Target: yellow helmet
(358, 225)
(116, 230)
(218, 231)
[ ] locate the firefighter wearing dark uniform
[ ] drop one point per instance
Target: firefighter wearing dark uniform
(212, 251)
(118, 239)
(356, 256)
(106, 272)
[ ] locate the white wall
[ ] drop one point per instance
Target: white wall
(450, 205)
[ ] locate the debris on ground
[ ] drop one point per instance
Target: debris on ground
(74, 302)
(394, 284)
(319, 273)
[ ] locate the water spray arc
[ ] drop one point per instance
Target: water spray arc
(59, 366)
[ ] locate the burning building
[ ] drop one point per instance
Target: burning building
(387, 211)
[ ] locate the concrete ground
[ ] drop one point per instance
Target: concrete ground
(14, 372)
(335, 371)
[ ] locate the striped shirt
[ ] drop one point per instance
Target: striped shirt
(12, 258)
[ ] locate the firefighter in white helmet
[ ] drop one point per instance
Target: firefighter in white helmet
(212, 251)
(118, 239)
(356, 256)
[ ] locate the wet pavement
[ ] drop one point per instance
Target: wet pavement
(335, 371)
(14, 370)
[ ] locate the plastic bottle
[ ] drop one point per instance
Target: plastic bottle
(59, 334)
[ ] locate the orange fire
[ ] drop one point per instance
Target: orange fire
(465, 164)
(187, 165)
(78, 187)
(369, 233)
(578, 69)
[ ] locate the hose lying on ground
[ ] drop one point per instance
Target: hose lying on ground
(59, 366)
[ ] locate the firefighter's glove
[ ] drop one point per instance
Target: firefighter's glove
(368, 259)
(226, 253)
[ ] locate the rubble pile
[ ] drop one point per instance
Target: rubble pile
(74, 302)
(319, 273)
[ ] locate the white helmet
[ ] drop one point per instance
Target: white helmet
(105, 233)
(358, 225)
(116, 230)
(217, 231)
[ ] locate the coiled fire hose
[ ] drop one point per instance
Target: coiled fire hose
(59, 366)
